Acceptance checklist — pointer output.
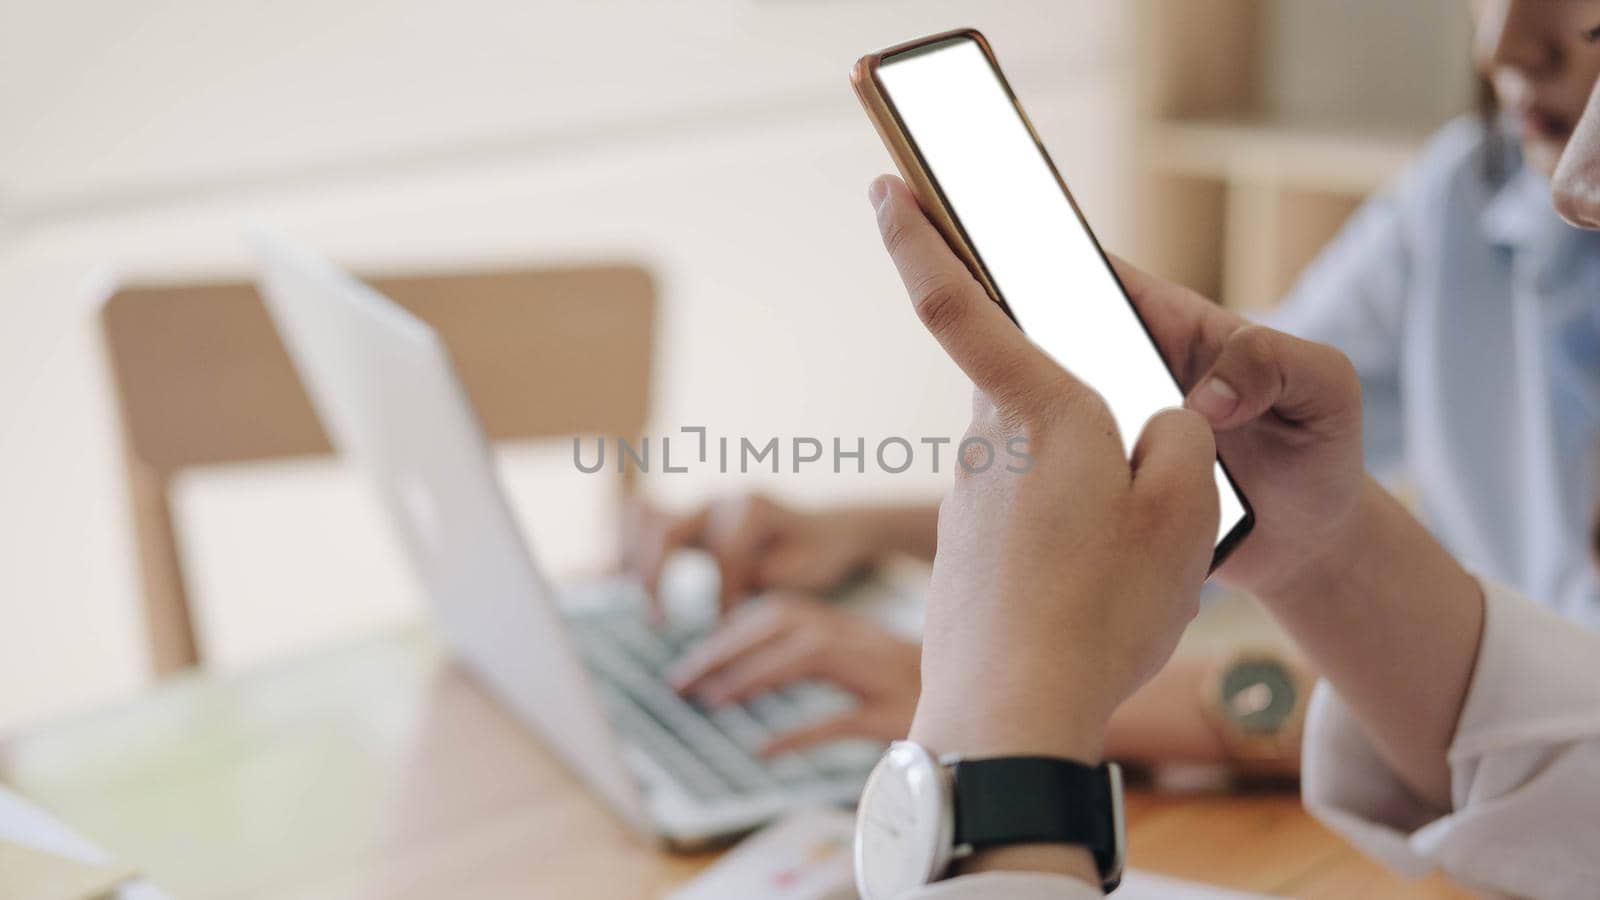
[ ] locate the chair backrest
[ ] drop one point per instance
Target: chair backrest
(201, 378)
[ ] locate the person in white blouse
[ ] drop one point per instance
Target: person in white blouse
(1458, 725)
(1472, 314)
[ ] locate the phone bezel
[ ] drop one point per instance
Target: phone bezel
(919, 176)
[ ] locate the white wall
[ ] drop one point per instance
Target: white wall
(718, 141)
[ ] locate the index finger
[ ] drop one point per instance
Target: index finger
(650, 537)
(736, 531)
(1001, 360)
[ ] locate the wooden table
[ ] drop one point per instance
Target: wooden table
(380, 770)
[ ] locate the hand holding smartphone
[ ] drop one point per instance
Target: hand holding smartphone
(963, 144)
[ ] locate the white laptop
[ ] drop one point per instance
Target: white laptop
(586, 676)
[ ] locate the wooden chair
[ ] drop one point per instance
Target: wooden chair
(201, 378)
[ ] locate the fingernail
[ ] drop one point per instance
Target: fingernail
(877, 192)
(1215, 399)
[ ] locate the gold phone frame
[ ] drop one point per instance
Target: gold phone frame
(864, 78)
(881, 112)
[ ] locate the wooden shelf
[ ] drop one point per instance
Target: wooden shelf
(1260, 131)
(1314, 158)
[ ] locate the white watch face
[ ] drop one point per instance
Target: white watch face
(903, 823)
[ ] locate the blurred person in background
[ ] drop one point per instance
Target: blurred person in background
(1458, 724)
(1472, 314)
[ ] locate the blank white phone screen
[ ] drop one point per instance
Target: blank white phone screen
(1037, 252)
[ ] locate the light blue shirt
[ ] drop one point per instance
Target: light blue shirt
(1473, 315)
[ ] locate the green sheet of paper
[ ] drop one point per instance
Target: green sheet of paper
(26, 872)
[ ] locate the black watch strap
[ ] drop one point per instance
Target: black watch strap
(1036, 800)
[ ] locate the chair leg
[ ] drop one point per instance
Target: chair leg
(169, 627)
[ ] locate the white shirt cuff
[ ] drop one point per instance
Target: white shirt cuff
(1525, 766)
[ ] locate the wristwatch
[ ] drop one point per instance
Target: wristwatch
(1257, 702)
(918, 814)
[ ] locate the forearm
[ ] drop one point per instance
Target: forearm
(1016, 720)
(1165, 720)
(1054, 859)
(910, 530)
(1175, 719)
(1393, 622)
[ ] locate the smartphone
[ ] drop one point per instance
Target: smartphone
(969, 153)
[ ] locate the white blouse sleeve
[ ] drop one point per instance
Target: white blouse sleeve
(1525, 766)
(1010, 885)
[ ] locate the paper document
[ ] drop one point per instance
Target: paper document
(806, 856)
(42, 858)
(37, 875)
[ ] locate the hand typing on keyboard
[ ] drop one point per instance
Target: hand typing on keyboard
(712, 753)
(781, 640)
(762, 545)
(758, 545)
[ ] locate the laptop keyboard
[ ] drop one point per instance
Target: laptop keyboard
(712, 753)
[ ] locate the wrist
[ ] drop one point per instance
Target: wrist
(1054, 859)
(1002, 724)
(986, 730)
(1338, 559)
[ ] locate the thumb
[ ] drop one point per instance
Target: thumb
(1174, 465)
(1261, 370)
